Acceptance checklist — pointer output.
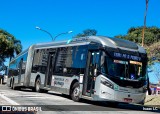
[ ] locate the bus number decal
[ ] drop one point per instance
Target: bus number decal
(59, 82)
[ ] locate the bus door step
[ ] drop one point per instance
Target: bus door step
(87, 97)
(91, 91)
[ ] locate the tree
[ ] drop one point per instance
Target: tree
(152, 35)
(9, 46)
(87, 32)
(151, 39)
(153, 51)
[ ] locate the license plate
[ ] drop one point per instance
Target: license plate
(127, 100)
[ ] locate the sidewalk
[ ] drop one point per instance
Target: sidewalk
(152, 100)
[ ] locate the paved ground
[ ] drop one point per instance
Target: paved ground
(60, 104)
(153, 100)
(4, 102)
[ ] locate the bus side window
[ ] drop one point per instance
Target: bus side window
(40, 61)
(60, 61)
(71, 61)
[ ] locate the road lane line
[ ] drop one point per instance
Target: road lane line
(9, 100)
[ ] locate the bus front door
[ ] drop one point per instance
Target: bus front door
(90, 76)
(50, 68)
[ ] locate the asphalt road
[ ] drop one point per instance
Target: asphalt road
(53, 102)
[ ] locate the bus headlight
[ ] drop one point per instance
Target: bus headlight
(107, 83)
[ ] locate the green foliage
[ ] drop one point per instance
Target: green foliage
(153, 51)
(9, 46)
(87, 32)
(152, 35)
(151, 39)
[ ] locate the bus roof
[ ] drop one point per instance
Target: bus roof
(105, 41)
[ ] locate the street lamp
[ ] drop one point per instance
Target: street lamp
(53, 39)
(45, 31)
(62, 33)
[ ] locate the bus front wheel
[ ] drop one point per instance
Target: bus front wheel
(75, 92)
(113, 104)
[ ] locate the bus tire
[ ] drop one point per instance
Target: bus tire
(142, 102)
(37, 85)
(11, 83)
(113, 104)
(45, 91)
(75, 92)
(33, 89)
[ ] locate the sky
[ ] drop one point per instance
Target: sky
(154, 72)
(108, 17)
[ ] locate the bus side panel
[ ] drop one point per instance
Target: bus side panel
(34, 77)
(69, 65)
(62, 84)
(17, 69)
(23, 68)
(39, 66)
(29, 66)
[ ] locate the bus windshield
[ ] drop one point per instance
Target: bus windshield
(124, 69)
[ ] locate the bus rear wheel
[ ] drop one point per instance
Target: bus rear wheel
(75, 92)
(13, 86)
(37, 85)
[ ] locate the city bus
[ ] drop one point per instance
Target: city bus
(96, 68)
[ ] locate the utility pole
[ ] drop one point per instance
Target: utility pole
(145, 15)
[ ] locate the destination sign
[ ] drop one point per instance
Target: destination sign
(79, 39)
(127, 56)
(121, 62)
(136, 63)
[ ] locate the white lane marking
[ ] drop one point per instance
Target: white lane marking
(2, 93)
(9, 100)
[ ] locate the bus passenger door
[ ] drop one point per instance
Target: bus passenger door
(92, 64)
(50, 68)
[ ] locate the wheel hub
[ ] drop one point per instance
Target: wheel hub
(76, 92)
